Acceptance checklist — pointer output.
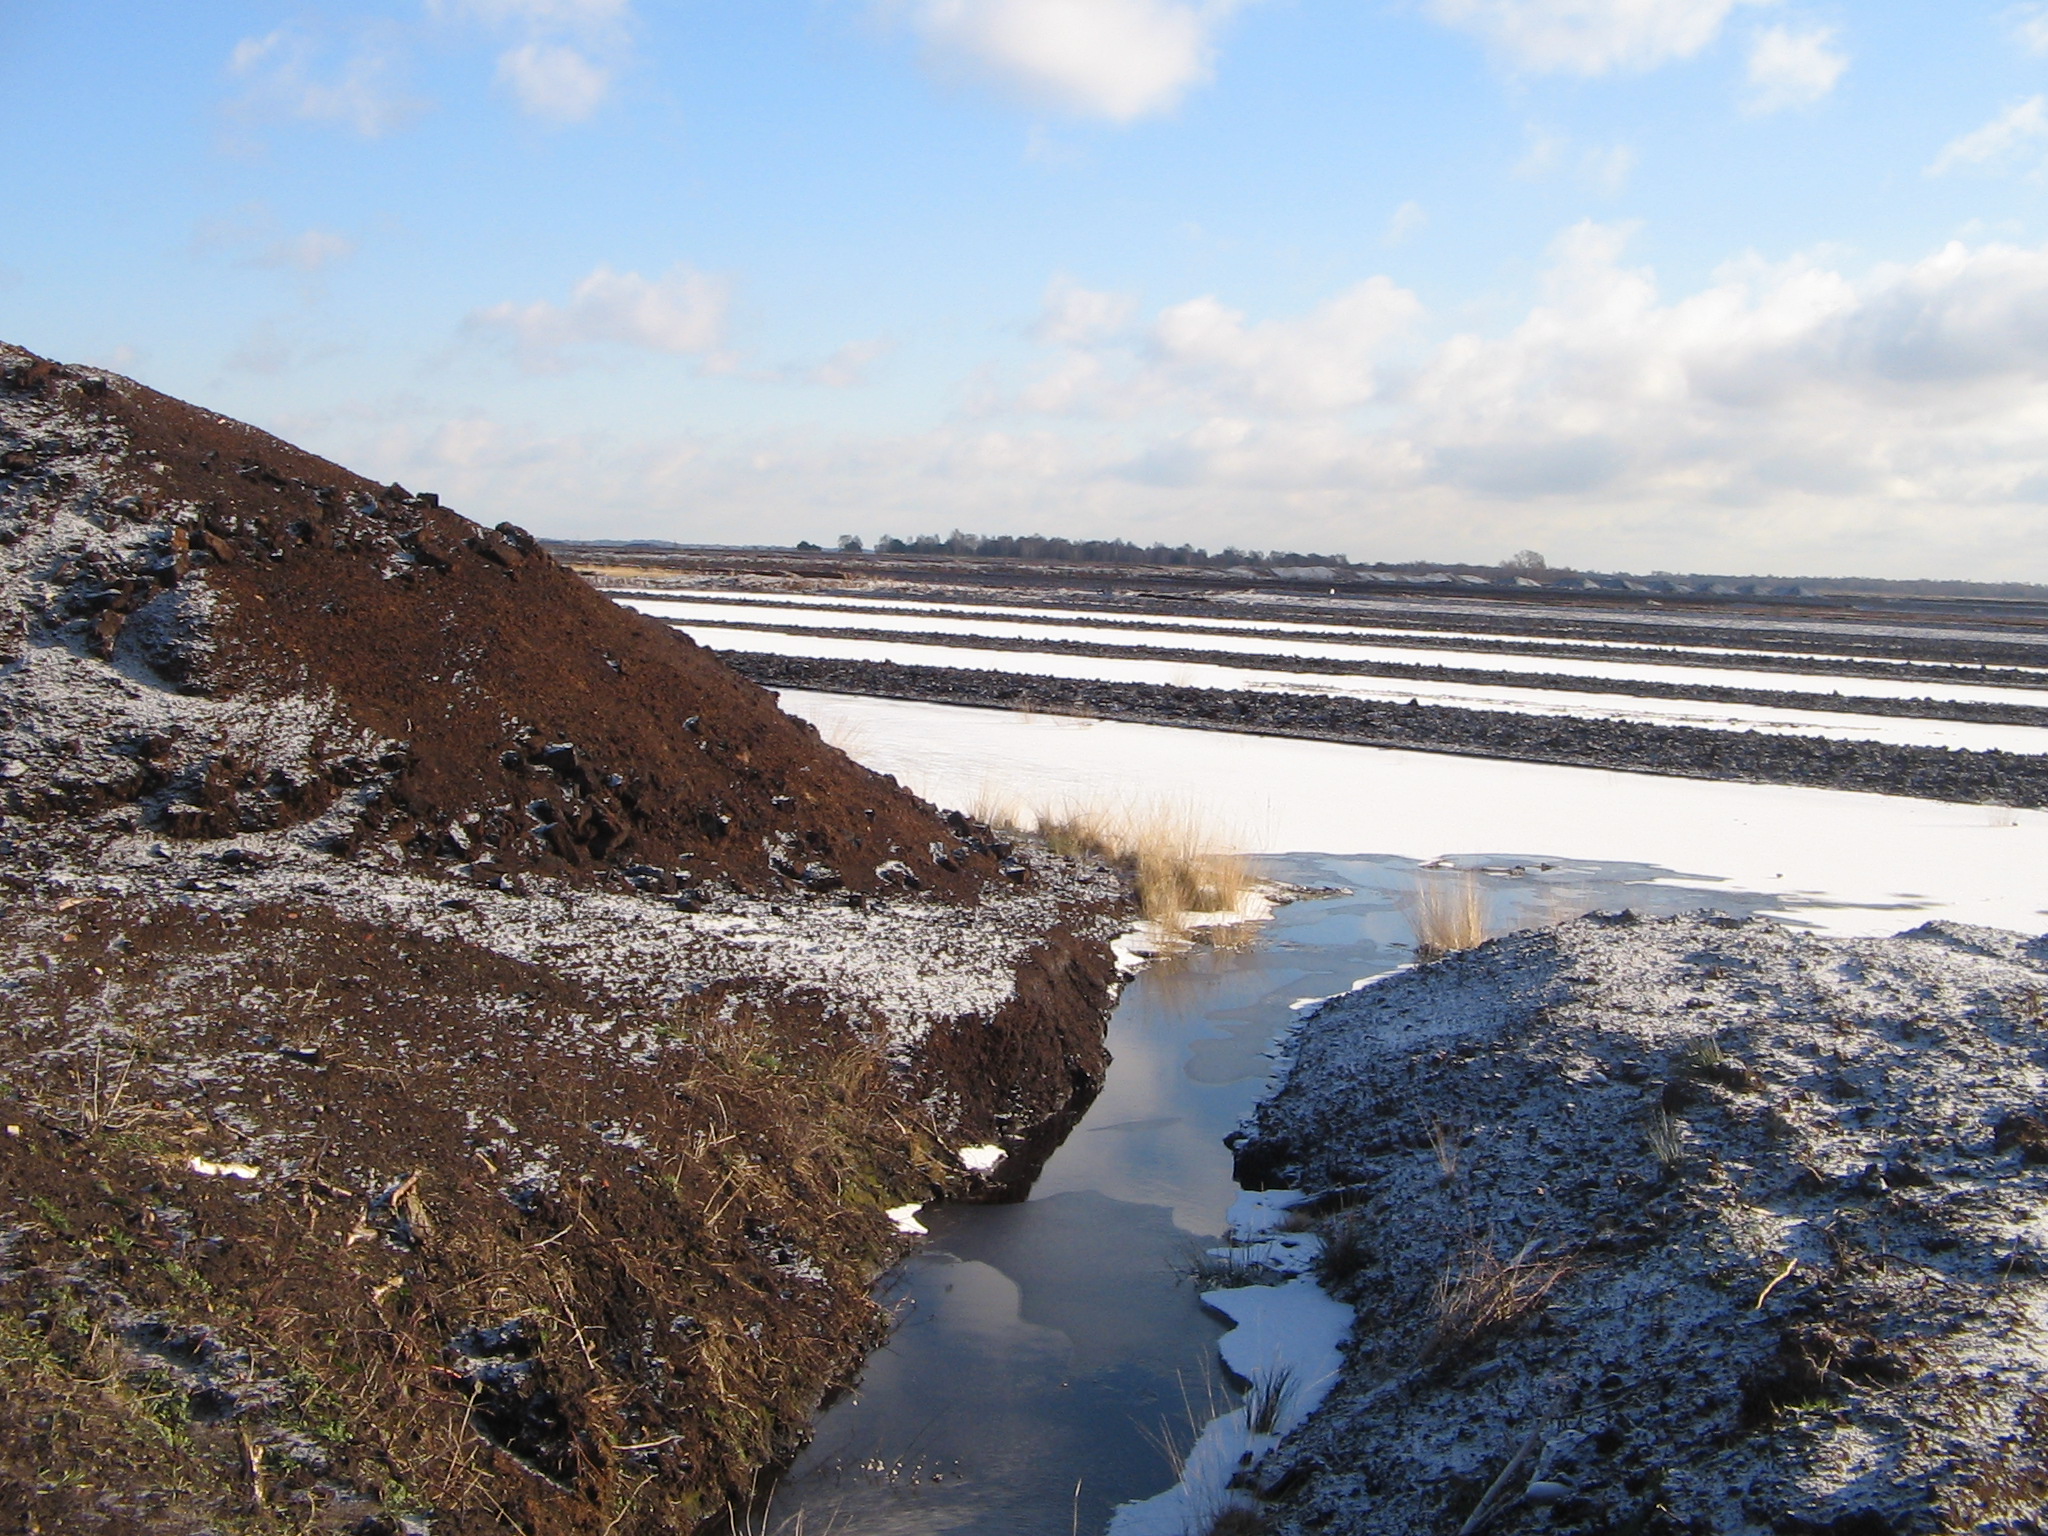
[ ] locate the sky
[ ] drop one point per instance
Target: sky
(1741, 286)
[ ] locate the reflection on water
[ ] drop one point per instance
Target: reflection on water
(1048, 1357)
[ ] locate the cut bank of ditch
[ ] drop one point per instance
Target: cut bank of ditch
(1694, 1224)
(459, 1043)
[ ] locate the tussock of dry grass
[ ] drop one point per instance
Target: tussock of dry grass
(1177, 864)
(1479, 1294)
(1450, 913)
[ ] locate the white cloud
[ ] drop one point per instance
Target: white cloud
(310, 251)
(2030, 27)
(568, 52)
(1202, 355)
(1073, 314)
(1327, 360)
(1788, 415)
(1605, 168)
(1408, 220)
(848, 367)
(1589, 37)
(1806, 407)
(1792, 69)
(1609, 167)
(1997, 140)
(1115, 59)
(681, 313)
(554, 81)
(565, 14)
(284, 74)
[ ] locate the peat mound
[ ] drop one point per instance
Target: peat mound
(1686, 1225)
(460, 1045)
(273, 633)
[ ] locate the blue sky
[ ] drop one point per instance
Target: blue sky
(1732, 285)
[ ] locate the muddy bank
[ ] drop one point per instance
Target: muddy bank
(1928, 773)
(459, 1043)
(1679, 1225)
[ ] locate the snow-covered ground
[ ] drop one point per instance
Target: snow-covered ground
(1846, 863)
(819, 611)
(1893, 730)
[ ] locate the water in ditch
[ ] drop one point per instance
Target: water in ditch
(1049, 1357)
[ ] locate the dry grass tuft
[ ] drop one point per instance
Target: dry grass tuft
(1266, 1400)
(1666, 1137)
(1450, 913)
(1347, 1249)
(1240, 1520)
(1480, 1294)
(1177, 864)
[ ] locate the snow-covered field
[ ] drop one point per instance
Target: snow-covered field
(1845, 863)
(1891, 729)
(807, 628)
(1363, 642)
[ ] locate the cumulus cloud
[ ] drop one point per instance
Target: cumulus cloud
(1114, 59)
(1588, 37)
(1075, 314)
(554, 81)
(1907, 395)
(310, 251)
(681, 313)
(1781, 415)
(2030, 27)
(286, 73)
(564, 55)
(1203, 355)
(1410, 219)
(1605, 168)
(1998, 141)
(848, 367)
(1792, 69)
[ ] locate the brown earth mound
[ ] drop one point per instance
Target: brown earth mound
(459, 1044)
(518, 715)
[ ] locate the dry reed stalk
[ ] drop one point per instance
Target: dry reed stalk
(1479, 1294)
(1176, 863)
(1449, 915)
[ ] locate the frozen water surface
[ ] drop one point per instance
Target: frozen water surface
(1049, 1353)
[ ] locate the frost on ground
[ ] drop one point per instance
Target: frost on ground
(1697, 1224)
(1284, 1345)
(464, 1053)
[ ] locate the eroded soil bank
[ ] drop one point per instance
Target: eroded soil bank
(459, 1043)
(1695, 1224)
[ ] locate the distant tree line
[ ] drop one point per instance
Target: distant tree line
(1035, 546)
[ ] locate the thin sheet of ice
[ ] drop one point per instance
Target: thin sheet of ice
(1844, 862)
(1903, 731)
(1194, 636)
(1364, 626)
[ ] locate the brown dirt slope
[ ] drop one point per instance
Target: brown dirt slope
(459, 1044)
(518, 711)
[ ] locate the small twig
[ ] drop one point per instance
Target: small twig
(1776, 1280)
(649, 1445)
(252, 1463)
(1490, 1501)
